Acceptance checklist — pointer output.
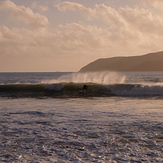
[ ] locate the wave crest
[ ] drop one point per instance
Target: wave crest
(104, 78)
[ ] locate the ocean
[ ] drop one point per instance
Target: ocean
(49, 118)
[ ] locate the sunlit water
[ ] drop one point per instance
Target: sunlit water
(96, 129)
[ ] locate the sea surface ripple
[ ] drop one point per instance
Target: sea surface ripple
(106, 129)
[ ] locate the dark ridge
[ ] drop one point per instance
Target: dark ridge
(148, 62)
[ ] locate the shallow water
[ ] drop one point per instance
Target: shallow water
(106, 129)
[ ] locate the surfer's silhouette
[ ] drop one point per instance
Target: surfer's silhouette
(85, 88)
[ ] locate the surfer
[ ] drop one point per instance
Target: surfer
(85, 87)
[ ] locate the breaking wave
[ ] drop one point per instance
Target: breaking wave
(100, 84)
(71, 89)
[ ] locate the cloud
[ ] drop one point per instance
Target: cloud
(36, 5)
(143, 20)
(72, 6)
(24, 14)
(127, 28)
(122, 19)
(131, 25)
(158, 4)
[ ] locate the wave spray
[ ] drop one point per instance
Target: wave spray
(104, 78)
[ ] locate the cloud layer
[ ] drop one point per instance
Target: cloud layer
(24, 14)
(136, 28)
(155, 3)
(101, 31)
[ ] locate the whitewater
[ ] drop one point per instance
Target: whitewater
(45, 118)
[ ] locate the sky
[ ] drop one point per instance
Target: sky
(58, 35)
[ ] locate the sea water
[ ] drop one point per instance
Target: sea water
(126, 126)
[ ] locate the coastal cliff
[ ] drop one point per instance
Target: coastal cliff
(148, 62)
